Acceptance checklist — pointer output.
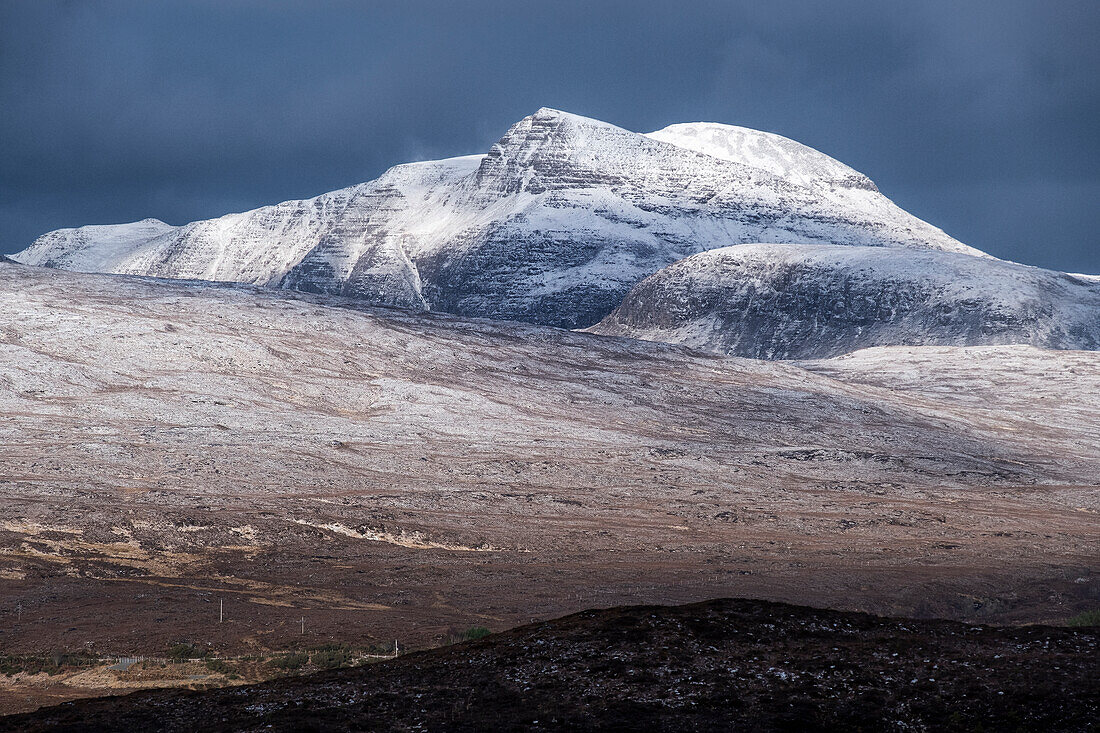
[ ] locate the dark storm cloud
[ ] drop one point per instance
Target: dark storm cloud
(979, 117)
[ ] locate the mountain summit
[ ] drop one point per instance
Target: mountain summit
(553, 225)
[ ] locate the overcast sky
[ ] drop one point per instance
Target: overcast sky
(980, 117)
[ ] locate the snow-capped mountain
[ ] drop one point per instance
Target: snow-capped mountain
(553, 225)
(814, 301)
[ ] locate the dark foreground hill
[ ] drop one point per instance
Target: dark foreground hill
(717, 665)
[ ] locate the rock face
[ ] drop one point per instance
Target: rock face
(553, 225)
(816, 301)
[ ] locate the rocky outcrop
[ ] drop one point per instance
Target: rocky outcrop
(814, 301)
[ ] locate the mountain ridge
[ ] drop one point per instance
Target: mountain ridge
(818, 301)
(553, 225)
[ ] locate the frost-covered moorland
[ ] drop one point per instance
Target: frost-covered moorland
(164, 442)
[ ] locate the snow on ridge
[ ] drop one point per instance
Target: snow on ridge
(767, 151)
(93, 247)
(1006, 281)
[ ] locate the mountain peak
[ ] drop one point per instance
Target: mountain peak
(543, 151)
(551, 112)
(549, 124)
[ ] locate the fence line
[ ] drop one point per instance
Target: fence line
(239, 658)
